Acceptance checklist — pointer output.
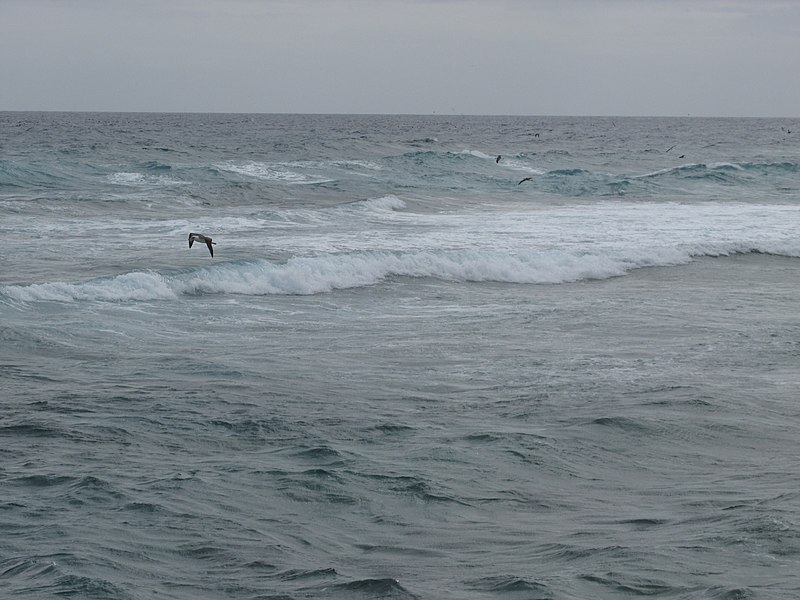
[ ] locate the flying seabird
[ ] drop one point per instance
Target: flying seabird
(497, 160)
(199, 237)
(524, 180)
(670, 148)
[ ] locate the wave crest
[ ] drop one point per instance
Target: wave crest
(714, 169)
(125, 287)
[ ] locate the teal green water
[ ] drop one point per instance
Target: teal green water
(403, 374)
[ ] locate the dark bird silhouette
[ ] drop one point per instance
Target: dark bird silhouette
(670, 148)
(199, 237)
(497, 160)
(524, 180)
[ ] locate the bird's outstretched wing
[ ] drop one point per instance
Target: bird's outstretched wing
(210, 249)
(524, 180)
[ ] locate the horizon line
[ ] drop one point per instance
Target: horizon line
(396, 114)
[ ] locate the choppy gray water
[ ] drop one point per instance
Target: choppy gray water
(402, 374)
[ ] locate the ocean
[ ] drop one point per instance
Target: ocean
(432, 357)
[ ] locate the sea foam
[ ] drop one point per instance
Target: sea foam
(126, 287)
(279, 173)
(328, 272)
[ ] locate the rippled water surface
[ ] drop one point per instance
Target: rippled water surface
(404, 373)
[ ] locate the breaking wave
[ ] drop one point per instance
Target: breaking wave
(690, 178)
(140, 179)
(709, 169)
(298, 172)
(328, 272)
(278, 173)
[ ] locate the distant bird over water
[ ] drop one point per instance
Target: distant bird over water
(199, 237)
(497, 160)
(521, 181)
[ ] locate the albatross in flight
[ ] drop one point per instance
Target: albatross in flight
(199, 237)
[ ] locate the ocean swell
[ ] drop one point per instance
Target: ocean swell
(327, 272)
(126, 287)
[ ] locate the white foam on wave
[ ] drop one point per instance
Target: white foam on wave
(325, 273)
(382, 204)
(531, 245)
(126, 178)
(293, 172)
(349, 164)
(478, 154)
(139, 179)
(507, 162)
(663, 171)
(725, 165)
(126, 287)
(328, 272)
(716, 166)
(516, 165)
(268, 172)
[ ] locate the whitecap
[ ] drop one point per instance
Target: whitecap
(272, 172)
(139, 179)
(382, 204)
(478, 154)
(125, 287)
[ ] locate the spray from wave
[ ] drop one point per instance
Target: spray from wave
(328, 272)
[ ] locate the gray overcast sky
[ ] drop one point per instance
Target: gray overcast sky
(538, 57)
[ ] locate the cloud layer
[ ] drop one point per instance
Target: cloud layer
(590, 57)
